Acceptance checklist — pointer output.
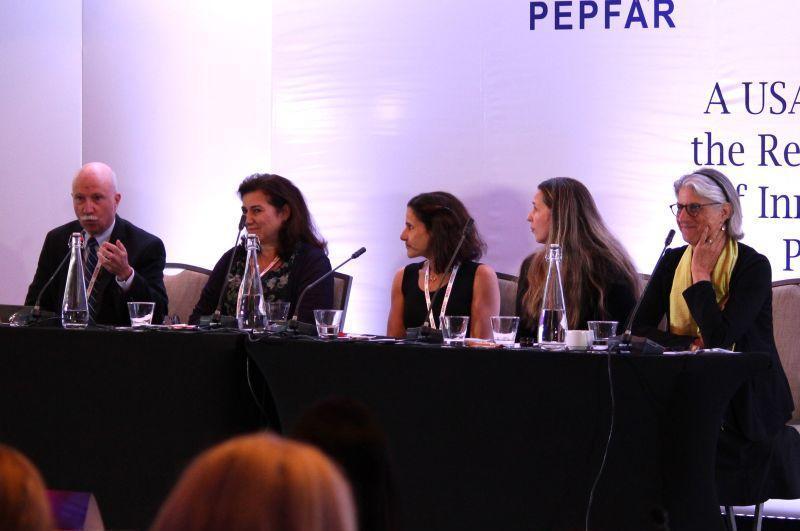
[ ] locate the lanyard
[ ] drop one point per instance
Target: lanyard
(97, 267)
(266, 269)
(446, 294)
(95, 274)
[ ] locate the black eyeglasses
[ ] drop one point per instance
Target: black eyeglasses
(692, 208)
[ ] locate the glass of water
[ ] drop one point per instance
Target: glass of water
(277, 313)
(504, 329)
(328, 322)
(141, 313)
(603, 330)
(454, 329)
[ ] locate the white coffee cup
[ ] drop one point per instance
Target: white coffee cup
(579, 339)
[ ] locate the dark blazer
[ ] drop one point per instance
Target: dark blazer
(765, 404)
(309, 264)
(146, 255)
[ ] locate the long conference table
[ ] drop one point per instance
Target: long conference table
(479, 438)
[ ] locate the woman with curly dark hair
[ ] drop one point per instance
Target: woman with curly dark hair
(292, 253)
(434, 224)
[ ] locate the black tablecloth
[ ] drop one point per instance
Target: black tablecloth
(481, 439)
(507, 440)
(120, 414)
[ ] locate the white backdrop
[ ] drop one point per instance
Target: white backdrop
(40, 130)
(364, 104)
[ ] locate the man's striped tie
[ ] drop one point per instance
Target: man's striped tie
(91, 263)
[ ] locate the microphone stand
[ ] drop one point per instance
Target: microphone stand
(31, 316)
(295, 325)
(37, 307)
(426, 333)
(627, 343)
(217, 320)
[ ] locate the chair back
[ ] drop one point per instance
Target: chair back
(184, 288)
(341, 293)
(644, 278)
(508, 293)
(786, 329)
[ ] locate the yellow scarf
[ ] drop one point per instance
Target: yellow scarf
(680, 318)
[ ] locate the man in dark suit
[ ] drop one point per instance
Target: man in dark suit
(130, 261)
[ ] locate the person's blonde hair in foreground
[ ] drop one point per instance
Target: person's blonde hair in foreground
(260, 481)
(24, 505)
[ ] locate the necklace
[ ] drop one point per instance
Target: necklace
(263, 258)
(266, 269)
(432, 276)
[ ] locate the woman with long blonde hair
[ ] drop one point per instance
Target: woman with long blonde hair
(599, 279)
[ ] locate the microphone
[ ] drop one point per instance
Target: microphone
(626, 344)
(425, 333)
(30, 316)
(300, 327)
(37, 308)
(635, 344)
(217, 320)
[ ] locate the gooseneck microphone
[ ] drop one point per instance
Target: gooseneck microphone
(626, 343)
(306, 328)
(36, 313)
(640, 345)
(425, 332)
(28, 316)
(629, 324)
(32, 316)
(464, 231)
(216, 319)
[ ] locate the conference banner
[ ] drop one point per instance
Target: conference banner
(487, 99)
(366, 104)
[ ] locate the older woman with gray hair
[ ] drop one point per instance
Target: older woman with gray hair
(716, 292)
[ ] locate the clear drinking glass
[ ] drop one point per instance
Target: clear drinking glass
(328, 322)
(277, 313)
(504, 329)
(454, 329)
(603, 330)
(141, 313)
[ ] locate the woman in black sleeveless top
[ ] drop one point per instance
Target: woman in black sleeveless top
(434, 225)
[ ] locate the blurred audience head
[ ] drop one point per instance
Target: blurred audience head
(259, 482)
(347, 432)
(24, 505)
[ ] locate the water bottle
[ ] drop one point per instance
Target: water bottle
(75, 309)
(251, 312)
(553, 318)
